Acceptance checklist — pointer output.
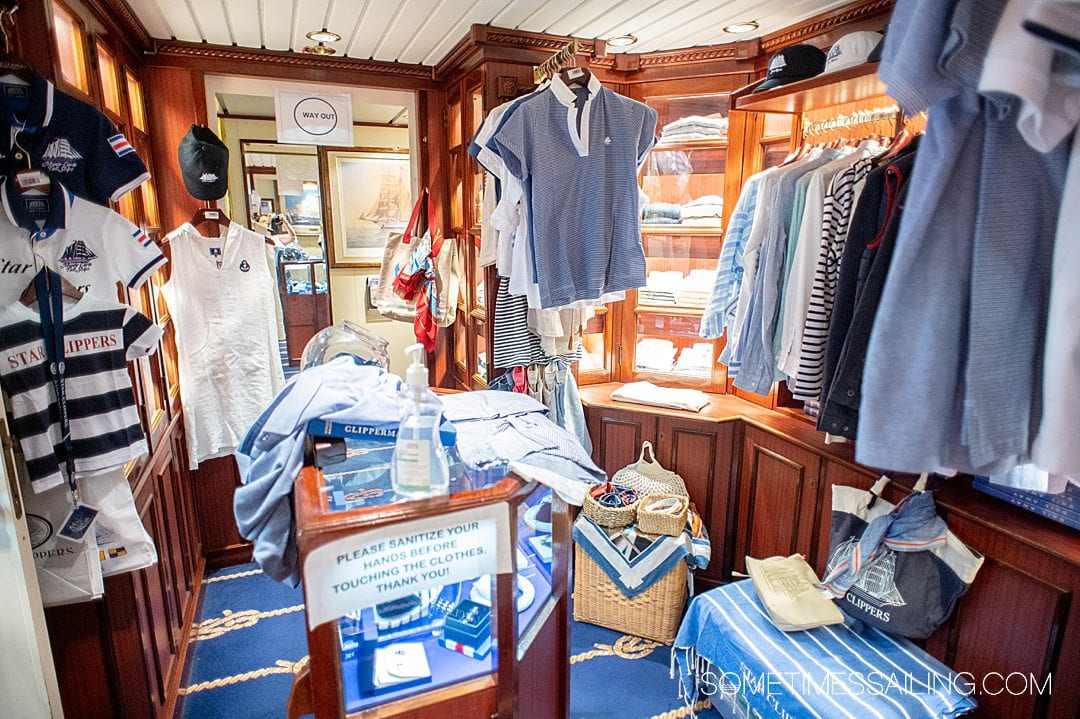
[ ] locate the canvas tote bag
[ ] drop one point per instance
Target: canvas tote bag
(68, 571)
(122, 541)
(396, 256)
(431, 279)
(909, 582)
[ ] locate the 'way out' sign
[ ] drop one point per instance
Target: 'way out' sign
(370, 568)
(305, 118)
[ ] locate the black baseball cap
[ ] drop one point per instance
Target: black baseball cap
(792, 63)
(204, 164)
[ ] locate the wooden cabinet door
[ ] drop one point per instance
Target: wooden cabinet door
(152, 600)
(617, 436)
(778, 497)
(702, 454)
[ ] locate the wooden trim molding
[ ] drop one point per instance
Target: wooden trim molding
(743, 50)
(820, 24)
(123, 22)
(256, 61)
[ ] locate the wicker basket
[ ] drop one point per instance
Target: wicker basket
(654, 614)
(662, 522)
(611, 517)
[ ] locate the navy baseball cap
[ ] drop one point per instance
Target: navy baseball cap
(204, 164)
(793, 63)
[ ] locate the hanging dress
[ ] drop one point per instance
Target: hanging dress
(221, 298)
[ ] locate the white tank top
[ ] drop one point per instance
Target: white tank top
(226, 335)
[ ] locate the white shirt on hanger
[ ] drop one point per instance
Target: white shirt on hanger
(226, 335)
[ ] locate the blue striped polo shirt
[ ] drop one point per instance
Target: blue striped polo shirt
(581, 194)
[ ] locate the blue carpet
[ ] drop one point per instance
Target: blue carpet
(249, 640)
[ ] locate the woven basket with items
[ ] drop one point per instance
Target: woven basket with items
(633, 549)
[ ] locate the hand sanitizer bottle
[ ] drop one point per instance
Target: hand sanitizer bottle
(419, 467)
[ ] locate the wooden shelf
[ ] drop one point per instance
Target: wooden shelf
(691, 145)
(836, 88)
(674, 310)
(703, 230)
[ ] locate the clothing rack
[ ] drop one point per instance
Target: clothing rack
(556, 62)
(859, 117)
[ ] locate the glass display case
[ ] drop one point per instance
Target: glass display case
(683, 187)
(454, 636)
(471, 331)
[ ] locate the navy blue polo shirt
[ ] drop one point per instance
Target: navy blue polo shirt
(67, 138)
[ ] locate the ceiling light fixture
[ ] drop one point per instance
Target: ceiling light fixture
(621, 41)
(319, 49)
(738, 27)
(324, 35)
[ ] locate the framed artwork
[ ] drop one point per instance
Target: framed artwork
(370, 197)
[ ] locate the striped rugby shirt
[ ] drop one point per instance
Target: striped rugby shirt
(92, 246)
(839, 202)
(100, 337)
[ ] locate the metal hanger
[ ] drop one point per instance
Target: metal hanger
(14, 69)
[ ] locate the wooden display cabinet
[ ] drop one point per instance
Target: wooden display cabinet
(526, 672)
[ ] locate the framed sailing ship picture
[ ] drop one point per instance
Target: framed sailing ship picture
(370, 197)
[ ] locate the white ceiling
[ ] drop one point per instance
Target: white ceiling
(424, 31)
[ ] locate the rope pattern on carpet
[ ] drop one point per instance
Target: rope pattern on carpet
(281, 666)
(237, 575)
(683, 712)
(625, 647)
(231, 621)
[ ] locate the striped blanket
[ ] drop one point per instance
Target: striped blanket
(728, 650)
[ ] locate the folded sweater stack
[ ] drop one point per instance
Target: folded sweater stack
(695, 127)
(661, 213)
(706, 210)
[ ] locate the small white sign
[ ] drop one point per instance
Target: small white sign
(370, 568)
(305, 118)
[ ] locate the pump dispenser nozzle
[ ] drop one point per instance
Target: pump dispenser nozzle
(416, 375)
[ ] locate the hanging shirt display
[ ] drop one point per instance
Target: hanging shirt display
(836, 219)
(90, 245)
(76, 145)
(221, 297)
(100, 337)
(578, 160)
(1055, 448)
(961, 327)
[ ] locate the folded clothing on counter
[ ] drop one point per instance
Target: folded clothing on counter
(648, 393)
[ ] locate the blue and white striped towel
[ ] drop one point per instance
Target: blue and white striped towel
(728, 648)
